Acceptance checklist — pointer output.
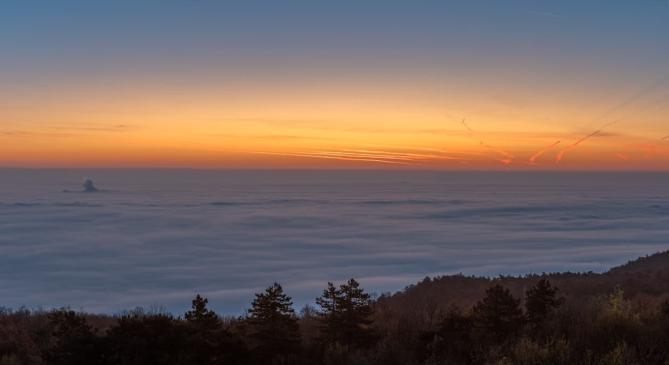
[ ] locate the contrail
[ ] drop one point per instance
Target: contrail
(359, 155)
(538, 154)
(403, 155)
(409, 150)
(332, 157)
(623, 156)
(653, 86)
(464, 122)
(506, 154)
(508, 157)
(561, 154)
(664, 138)
(369, 155)
(633, 98)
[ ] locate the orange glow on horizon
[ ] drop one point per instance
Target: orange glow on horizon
(327, 127)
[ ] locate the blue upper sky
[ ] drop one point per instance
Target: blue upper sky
(108, 36)
(338, 71)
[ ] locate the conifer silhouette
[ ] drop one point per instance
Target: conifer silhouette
(274, 330)
(540, 301)
(346, 315)
(497, 316)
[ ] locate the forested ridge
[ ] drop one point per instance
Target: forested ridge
(617, 317)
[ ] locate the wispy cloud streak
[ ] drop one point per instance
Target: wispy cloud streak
(332, 157)
(506, 158)
(618, 107)
(536, 155)
(407, 155)
(561, 154)
(623, 156)
(633, 98)
(398, 156)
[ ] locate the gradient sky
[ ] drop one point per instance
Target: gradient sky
(574, 84)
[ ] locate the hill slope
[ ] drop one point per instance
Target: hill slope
(643, 280)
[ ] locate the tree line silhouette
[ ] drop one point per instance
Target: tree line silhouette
(347, 326)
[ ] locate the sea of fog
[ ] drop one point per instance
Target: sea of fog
(155, 238)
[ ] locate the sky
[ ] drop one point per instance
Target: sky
(518, 84)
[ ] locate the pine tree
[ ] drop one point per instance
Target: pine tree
(497, 317)
(356, 312)
(328, 300)
(274, 328)
(346, 315)
(201, 317)
(330, 313)
(208, 341)
(540, 301)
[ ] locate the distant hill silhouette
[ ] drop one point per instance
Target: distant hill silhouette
(658, 262)
(644, 279)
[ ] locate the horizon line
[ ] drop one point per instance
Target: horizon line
(330, 169)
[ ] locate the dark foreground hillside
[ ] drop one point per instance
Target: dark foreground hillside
(644, 281)
(618, 317)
